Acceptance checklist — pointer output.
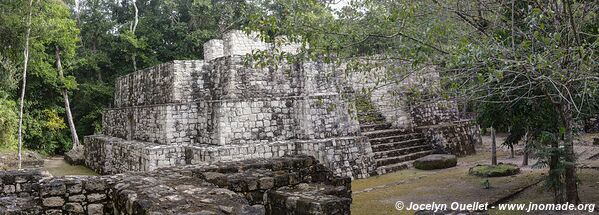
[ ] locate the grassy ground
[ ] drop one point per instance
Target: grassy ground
(587, 190)
(377, 195)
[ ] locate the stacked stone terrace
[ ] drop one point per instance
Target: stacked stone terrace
(223, 108)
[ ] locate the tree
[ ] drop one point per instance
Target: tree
(537, 52)
(24, 81)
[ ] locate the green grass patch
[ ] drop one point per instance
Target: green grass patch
(498, 170)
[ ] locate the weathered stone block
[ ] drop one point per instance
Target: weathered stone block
(435, 161)
(53, 202)
(95, 209)
(96, 197)
(73, 208)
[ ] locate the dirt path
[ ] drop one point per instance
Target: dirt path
(57, 166)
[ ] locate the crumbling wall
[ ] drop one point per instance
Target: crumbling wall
(387, 85)
(255, 186)
(433, 113)
(457, 138)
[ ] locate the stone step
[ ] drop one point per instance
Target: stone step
(402, 158)
(397, 145)
(385, 133)
(395, 138)
(373, 127)
(393, 167)
(401, 151)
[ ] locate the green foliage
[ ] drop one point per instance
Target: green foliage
(8, 125)
(45, 131)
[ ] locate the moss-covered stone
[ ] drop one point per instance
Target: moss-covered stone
(436, 161)
(498, 170)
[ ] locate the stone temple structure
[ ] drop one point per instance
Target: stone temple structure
(224, 108)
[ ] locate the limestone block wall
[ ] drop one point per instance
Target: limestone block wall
(231, 78)
(75, 195)
(111, 155)
(177, 123)
(239, 122)
(458, 138)
(326, 116)
(237, 42)
(213, 49)
(435, 113)
(165, 83)
(208, 153)
(20, 183)
(349, 156)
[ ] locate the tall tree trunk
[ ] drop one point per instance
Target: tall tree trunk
(570, 158)
(493, 147)
(22, 99)
(133, 28)
(525, 156)
(67, 106)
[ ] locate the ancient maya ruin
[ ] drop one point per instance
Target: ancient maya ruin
(232, 138)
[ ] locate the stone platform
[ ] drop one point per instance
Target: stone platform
(231, 107)
(293, 184)
(228, 108)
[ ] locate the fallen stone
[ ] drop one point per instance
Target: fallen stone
(436, 161)
(596, 141)
(75, 156)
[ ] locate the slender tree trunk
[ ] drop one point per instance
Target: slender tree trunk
(22, 99)
(512, 155)
(493, 147)
(525, 156)
(67, 106)
(570, 158)
(133, 28)
(555, 174)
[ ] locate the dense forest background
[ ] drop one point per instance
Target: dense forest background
(99, 42)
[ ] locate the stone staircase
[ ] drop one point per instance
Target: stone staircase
(394, 149)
